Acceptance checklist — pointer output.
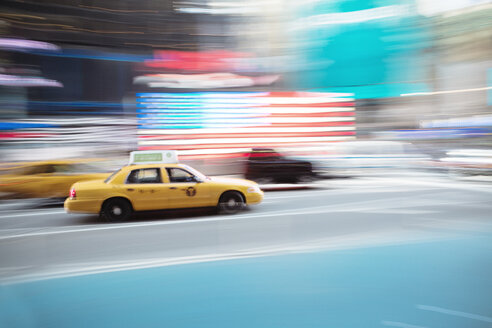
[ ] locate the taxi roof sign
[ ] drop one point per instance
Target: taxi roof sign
(154, 157)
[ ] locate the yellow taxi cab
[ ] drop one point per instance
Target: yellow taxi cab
(156, 181)
(46, 179)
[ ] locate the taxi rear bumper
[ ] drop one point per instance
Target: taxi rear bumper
(89, 206)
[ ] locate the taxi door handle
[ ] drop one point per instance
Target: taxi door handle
(130, 189)
(172, 188)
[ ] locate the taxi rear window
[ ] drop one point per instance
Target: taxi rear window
(151, 175)
(111, 176)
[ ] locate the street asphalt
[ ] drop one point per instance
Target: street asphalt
(39, 242)
(401, 251)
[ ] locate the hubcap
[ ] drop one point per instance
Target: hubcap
(231, 202)
(116, 210)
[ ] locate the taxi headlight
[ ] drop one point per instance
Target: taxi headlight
(254, 189)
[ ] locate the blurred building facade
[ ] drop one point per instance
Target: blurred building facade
(407, 62)
(456, 106)
(462, 60)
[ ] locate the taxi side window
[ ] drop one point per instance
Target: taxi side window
(144, 176)
(179, 175)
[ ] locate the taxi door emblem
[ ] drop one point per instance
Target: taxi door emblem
(190, 191)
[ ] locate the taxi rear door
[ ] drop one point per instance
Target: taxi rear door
(145, 188)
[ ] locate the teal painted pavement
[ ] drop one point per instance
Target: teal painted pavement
(434, 284)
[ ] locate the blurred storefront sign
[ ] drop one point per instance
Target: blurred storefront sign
(23, 45)
(215, 61)
(220, 60)
(27, 81)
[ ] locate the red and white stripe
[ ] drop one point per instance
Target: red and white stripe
(275, 120)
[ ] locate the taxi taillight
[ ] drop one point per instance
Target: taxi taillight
(73, 194)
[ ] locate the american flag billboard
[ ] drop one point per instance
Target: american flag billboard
(228, 124)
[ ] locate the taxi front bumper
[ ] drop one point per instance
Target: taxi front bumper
(89, 206)
(254, 197)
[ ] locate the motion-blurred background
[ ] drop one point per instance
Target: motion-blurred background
(214, 79)
(284, 91)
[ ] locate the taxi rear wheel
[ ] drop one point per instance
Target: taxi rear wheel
(116, 210)
(231, 202)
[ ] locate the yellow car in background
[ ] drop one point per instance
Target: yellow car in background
(46, 179)
(155, 181)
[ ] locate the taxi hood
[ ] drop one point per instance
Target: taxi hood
(236, 181)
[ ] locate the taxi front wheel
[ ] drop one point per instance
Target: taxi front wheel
(116, 210)
(231, 202)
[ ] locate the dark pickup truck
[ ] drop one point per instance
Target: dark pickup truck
(268, 166)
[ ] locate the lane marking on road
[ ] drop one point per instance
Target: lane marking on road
(392, 211)
(32, 214)
(397, 202)
(455, 313)
(359, 190)
(352, 189)
(268, 199)
(214, 218)
(440, 184)
(351, 241)
(380, 185)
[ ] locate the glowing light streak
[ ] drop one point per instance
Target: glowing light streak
(201, 95)
(249, 121)
(245, 130)
(258, 100)
(243, 135)
(26, 44)
(235, 141)
(245, 110)
(285, 143)
(444, 92)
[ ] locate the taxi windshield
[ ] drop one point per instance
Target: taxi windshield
(196, 173)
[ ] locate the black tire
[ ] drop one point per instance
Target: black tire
(116, 210)
(231, 202)
(305, 178)
(264, 180)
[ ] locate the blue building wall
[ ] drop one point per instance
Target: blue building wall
(375, 48)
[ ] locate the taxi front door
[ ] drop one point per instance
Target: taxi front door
(185, 191)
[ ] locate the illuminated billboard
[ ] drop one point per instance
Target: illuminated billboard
(229, 124)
